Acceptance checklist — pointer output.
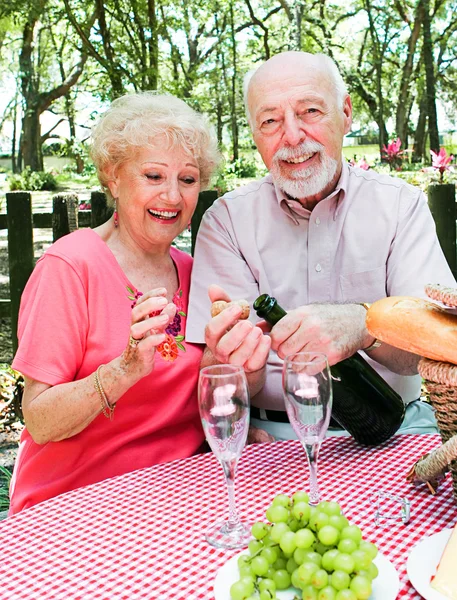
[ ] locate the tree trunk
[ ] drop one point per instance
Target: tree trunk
(297, 12)
(76, 155)
(32, 153)
(404, 103)
(153, 70)
(36, 102)
(377, 62)
(217, 86)
(419, 136)
(430, 80)
(14, 165)
(233, 102)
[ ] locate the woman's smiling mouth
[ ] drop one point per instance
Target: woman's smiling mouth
(163, 215)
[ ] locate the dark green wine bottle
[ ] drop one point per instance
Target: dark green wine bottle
(363, 402)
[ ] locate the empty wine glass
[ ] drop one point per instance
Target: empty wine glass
(307, 387)
(223, 399)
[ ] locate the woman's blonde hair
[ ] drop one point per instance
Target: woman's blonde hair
(136, 120)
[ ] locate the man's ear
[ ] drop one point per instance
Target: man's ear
(347, 111)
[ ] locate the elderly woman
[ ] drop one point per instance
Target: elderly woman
(110, 381)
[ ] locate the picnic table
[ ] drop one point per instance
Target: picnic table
(141, 535)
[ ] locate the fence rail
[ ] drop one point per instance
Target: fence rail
(64, 218)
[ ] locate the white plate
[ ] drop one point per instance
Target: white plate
(422, 562)
(385, 586)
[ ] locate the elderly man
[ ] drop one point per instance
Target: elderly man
(317, 234)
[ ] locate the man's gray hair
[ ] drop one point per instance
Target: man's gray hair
(328, 64)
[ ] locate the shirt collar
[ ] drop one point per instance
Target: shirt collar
(296, 211)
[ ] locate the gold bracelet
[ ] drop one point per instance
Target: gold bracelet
(107, 408)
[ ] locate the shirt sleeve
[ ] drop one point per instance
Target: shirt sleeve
(53, 322)
(416, 258)
(217, 260)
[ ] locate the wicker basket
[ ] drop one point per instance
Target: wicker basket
(441, 382)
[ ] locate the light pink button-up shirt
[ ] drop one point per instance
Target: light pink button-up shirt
(373, 237)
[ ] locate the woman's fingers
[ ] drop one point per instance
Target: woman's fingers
(155, 324)
(149, 306)
(157, 292)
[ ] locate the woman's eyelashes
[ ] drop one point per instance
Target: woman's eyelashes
(159, 178)
(154, 176)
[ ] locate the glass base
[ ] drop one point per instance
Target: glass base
(224, 535)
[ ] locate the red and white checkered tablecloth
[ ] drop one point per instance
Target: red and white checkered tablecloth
(140, 536)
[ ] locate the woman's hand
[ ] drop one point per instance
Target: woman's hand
(233, 341)
(150, 317)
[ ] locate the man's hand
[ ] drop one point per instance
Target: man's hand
(259, 436)
(233, 341)
(338, 330)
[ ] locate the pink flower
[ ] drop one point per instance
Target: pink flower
(362, 164)
(393, 154)
(441, 161)
(392, 150)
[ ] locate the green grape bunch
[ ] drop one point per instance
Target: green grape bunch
(314, 549)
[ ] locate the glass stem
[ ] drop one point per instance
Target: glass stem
(229, 472)
(312, 454)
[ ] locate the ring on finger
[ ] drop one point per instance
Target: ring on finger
(133, 342)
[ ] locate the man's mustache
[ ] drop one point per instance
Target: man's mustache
(303, 148)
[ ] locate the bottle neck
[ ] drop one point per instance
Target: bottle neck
(268, 308)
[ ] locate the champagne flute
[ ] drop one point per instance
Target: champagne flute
(223, 398)
(307, 387)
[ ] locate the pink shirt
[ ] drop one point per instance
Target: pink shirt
(75, 315)
(373, 237)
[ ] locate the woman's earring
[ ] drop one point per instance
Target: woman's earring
(116, 220)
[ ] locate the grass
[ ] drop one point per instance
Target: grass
(370, 153)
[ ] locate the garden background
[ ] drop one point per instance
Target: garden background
(63, 61)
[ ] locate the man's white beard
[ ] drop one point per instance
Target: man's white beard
(304, 183)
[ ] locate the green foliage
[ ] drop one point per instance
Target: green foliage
(54, 149)
(233, 172)
(89, 170)
(32, 181)
(5, 479)
(11, 390)
(242, 167)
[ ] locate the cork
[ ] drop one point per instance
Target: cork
(220, 305)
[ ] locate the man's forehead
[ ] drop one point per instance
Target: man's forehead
(294, 103)
(282, 92)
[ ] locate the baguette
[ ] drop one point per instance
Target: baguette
(414, 325)
(219, 305)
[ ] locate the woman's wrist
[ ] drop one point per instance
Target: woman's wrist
(118, 377)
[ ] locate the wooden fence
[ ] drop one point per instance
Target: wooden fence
(65, 217)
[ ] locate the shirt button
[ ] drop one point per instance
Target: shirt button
(318, 268)
(318, 221)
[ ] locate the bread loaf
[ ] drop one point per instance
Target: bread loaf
(414, 325)
(220, 305)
